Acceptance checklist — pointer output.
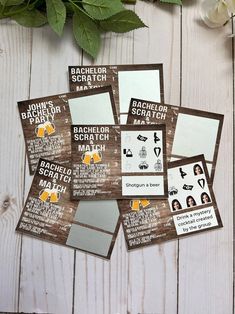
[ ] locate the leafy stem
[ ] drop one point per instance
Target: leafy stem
(79, 8)
(28, 6)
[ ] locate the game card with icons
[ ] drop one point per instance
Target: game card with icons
(118, 161)
(47, 121)
(49, 213)
(143, 81)
(191, 207)
(189, 132)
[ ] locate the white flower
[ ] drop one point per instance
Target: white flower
(216, 13)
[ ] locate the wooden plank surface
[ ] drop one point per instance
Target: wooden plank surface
(46, 278)
(153, 270)
(194, 276)
(15, 55)
(206, 260)
(101, 286)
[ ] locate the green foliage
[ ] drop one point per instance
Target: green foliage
(122, 22)
(102, 9)
(90, 17)
(30, 18)
(56, 14)
(86, 33)
(8, 3)
(179, 2)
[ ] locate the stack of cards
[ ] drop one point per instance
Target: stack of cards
(111, 152)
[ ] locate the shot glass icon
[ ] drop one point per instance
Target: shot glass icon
(139, 204)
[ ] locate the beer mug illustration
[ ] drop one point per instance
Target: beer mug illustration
(135, 205)
(44, 195)
(50, 127)
(138, 204)
(86, 158)
(55, 196)
(40, 130)
(97, 157)
(144, 203)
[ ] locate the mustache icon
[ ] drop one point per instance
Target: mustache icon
(138, 204)
(94, 155)
(43, 128)
(49, 194)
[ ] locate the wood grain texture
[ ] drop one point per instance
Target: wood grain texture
(152, 285)
(101, 287)
(14, 64)
(152, 280)
(47, 269)
(205, 261)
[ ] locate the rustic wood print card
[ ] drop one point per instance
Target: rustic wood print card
(189, 132)
(49, 213)
(46, 121)
(191, 207)
(143, 81)
(117, 161)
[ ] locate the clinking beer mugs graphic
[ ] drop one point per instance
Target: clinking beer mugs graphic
(139, 204)
(94, 156)
(43, 128)
(51, 195)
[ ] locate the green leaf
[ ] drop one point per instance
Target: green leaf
(30, 18)
(122, 22)
(86, 33)
(7, 3)
(102, 9)
(179, 2)
(69, 8)
(56, 15)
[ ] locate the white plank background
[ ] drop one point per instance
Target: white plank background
(190, 276)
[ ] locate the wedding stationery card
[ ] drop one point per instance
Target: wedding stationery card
(191, 207)
(46, 121)
(143, 81)
(189, 132)
(49, 214)
(118, 161)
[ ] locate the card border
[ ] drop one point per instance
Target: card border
(41, 238)
(173, 164)
(126, 127)
(198, 113)
(67, 96)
